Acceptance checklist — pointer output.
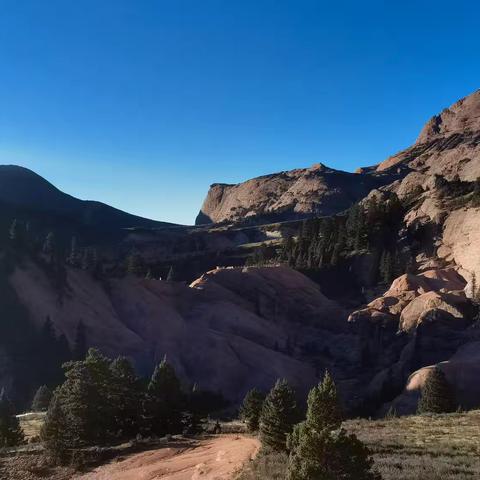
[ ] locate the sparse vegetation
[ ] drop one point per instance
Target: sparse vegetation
(420, 447)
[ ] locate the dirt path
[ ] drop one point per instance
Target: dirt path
(215, 458)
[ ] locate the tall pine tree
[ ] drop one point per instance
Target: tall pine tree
(319, 449)
(165, 400)
(279, 415)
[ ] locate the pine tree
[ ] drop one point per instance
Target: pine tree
(42, 399)
(329, 455)
(11, 433)
(49, 244)
(251, 409)
(278, 416)
(437, 394)
(102, 378)
(165, 400)
(125, 398)
(386, 267)
(319, 449)
(475, 293)
(55, 431)
(15, 233)
(324, 407)
(135, 264)
(171, 274)
(80, 343)
(74, 255)
(89, 259)
(79, 401)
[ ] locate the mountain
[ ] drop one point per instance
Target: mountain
(376, 293)
(291, 195)
(23, 189)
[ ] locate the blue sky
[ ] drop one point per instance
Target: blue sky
(143, 104)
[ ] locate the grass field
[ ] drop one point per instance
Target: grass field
(439, 447)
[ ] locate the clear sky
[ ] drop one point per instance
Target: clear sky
(143, 104)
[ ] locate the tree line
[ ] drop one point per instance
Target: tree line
(103, 401)
(370, 226)
(314, 444)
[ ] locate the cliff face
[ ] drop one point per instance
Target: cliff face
(448, 145)
(295, 194)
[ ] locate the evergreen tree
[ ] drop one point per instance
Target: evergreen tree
(437, 394)
(55, 431)
(475, 291)
(125, 398)
(42, 399)
(74, 255)
(386, 267)
(15, 233)
(11, 433)
(165, 400)
(103, 381)
(329, 455)
(319, 449)
(88, 259)
(278, 416)
(80, 343)
(49, 244)
(135, 264)
(171, 274)
(251, 409)
(80, 402)
(324, 407)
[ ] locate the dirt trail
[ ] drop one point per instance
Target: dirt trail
(215, 458)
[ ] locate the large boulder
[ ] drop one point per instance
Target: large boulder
(420, 309)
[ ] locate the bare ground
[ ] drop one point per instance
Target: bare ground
(213, 458)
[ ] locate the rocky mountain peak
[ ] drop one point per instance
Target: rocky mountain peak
(462, 116)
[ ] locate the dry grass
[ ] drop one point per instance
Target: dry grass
(424, 447)
(31, 424)
(265, 467)
(439, 447)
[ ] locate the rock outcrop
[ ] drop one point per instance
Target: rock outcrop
(295, 194)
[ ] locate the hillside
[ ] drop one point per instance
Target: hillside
(23, 189)
(319, 294)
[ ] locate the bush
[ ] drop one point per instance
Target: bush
(437, 394)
